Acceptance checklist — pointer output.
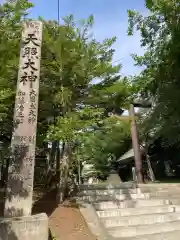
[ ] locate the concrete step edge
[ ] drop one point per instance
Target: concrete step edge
(102, 192)
(140, 230)
(124, 185)
(117, 202)
(116, 196)
(137, 211)
(171, 235)
(146, 219)
(158, 185)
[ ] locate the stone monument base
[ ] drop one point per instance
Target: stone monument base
(33, 227)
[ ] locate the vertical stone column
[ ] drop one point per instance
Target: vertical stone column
(21, 170)
(135, 143)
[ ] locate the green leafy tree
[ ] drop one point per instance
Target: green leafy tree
(103, 146)
(71, 107)
(159, 80)
(73, 61)
(11, 16)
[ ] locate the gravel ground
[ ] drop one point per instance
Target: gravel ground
(67, 223)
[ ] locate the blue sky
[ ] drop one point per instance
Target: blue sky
(110, 20)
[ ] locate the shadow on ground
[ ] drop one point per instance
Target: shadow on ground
(46, 204)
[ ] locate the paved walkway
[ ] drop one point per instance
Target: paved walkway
(67, 223)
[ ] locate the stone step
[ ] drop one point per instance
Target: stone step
(130, 204)
(160, 190)
(124, 185)
(173, 235)
(159, 187)
(174, 201)
(138, 211)
(139, 230)
(163, 196)
(140, 220)
(101, 192)
(114, 197)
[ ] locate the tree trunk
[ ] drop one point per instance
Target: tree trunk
(58, 163)
(151, 173)
(5, 174)
(52, 155)
(150, 169)
(64, 172)
(51, 172)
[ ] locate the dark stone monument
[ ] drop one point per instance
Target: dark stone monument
(18, 203)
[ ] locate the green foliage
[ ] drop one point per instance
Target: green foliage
(11, 16)
(71, 108)
(159, 80)
(105, 144)
(71, 126)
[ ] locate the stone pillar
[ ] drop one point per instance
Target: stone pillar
(21, 170)
(18, 223)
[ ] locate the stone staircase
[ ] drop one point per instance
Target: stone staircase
(128, 212)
